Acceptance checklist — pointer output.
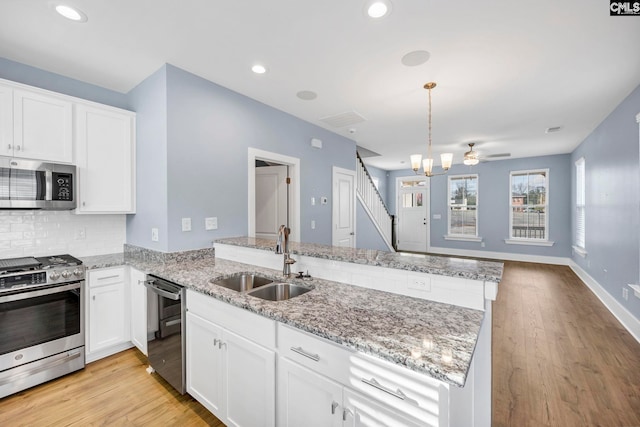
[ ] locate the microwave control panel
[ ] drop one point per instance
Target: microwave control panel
(62, 186)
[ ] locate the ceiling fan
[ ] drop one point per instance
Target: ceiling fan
(472, 157)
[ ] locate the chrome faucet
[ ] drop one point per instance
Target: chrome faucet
(288, 261)
(279, 241)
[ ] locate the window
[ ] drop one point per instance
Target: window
(529, 205)
(580, 207)
(463, 205)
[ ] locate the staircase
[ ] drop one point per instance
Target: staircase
(373, 204)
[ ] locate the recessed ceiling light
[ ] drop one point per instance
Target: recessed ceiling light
(71, 13)
(415, 58)
(259, 69)
(307, 95)
(378, 8)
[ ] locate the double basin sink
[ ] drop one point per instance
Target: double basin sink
(261, 287)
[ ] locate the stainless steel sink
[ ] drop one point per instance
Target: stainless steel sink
(279, 291)
(242, 282)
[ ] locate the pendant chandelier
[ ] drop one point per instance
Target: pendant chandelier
(427, 164)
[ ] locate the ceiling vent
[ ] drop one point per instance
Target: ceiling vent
(343, 119)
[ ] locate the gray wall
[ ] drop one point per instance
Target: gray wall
(612, 172)
(32, 76)
(149, 100)
(493, 207)
(209, 129)
(367, 235)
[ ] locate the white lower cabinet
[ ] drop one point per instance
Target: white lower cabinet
(231, 375)
(138, 309)
(107, 313)
(306, 398)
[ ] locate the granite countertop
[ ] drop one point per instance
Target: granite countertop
(428, 337)
(489, 271)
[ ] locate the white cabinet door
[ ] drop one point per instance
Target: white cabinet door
(138, 309)
(249, 382)
(363, 412)
(42, 127)
(306, 398)
(107, 324)
(105, 157)
(204, 363)
(6, 121)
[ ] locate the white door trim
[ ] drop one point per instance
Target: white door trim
(428, 200)
(294, 193)
(352, 173)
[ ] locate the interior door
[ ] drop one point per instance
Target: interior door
(271, 200)
(412, 215)
(344, 199)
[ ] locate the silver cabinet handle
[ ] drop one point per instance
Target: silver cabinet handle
(109, 277)
(346, 412)
(334, 405)
(300, 351)
(9, 147)
(17, 147)
(373, 383)
(173, 322)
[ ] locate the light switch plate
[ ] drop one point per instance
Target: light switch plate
(211, 223)
(186, 224)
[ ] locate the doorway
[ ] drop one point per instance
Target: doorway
(268, 192)
(343, 208)
(412, 210)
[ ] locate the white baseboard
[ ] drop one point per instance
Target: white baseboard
(540, 259)
(623, 315)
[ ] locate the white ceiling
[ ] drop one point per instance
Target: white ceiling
(506, 70)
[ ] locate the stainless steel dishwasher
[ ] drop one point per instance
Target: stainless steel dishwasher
(166, 347)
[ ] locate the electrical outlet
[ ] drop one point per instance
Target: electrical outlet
(186, 224)
(419, 283)
(313, 224)
(482, 245)
(211, 223)
(154, 234)
(625, 294)
(81, 233)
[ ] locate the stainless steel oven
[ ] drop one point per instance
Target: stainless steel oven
(41, 320)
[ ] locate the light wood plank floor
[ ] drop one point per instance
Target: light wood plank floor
(115, 391)
(559, 357)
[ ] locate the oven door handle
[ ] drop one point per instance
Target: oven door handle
(39, 292)
(169, 295)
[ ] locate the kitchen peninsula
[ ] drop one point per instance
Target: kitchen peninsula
(414, 360)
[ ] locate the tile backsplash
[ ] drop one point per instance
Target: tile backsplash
(37, 233)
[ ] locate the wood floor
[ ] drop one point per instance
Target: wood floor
(115, 391)
(559, 359)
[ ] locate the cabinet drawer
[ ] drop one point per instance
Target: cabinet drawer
(244, 323)
(412, 393)
(105, 276)
(318, 354)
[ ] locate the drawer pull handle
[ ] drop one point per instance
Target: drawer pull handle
(300, 351)
(109, 277)
(334, 405)
(373, 383)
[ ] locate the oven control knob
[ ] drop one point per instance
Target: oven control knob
(77, 272)
(54, 275)
(66, 274)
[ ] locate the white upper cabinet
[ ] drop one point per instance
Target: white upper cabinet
(35, 125)
(105, 158)
(6, 120)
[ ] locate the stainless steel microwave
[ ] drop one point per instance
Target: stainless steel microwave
(32, 184)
